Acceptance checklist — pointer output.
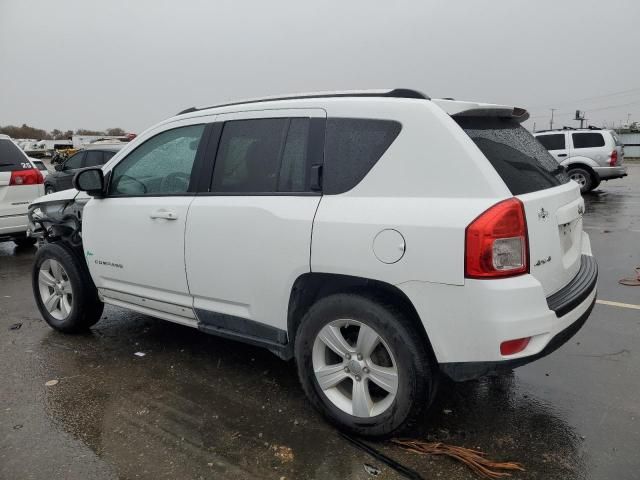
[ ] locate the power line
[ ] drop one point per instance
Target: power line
(585, 99)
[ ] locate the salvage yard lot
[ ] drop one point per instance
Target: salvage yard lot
(195, 406)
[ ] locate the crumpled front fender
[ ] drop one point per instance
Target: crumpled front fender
(58, 216)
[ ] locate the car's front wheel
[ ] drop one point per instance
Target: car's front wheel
(65, 294)
(364, 364)
(49, 189)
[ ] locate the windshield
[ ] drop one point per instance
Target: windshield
(522, 162)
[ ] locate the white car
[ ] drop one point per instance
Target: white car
(21, 182)
(324, 228)
(40, 165)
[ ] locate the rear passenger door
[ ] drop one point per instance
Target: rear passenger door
(248, 234)
(556, 144)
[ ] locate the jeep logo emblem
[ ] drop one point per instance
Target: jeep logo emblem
(543, 214)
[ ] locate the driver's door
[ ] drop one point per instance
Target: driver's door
(134, 238)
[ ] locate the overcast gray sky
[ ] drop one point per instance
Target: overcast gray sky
(72, 64)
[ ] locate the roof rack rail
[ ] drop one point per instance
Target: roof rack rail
(395, 93)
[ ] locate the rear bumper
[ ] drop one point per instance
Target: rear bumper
(466, 324)
(609, 173)
(572, 306)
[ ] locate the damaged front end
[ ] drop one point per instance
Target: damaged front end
(58, 218)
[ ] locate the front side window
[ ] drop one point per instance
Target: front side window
(262, 156)
(587, 140)
(160, 166)
(75, 161)
(552, 142)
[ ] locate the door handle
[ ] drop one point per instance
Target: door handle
(166, 214)
(562, 154)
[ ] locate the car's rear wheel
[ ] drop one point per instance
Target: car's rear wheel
(65, 294)
(49, 189)
(364, 364)
(583, 178)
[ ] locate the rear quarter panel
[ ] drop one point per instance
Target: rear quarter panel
(429, 185)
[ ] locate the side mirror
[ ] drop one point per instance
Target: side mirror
(58, 167)
(90, 180)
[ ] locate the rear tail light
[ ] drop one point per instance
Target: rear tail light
(511, 347)
(613, 160)
(496, 243)
(31, 176)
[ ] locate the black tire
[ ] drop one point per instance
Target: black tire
(24, 242)
(49, 189)
(583, 178)
(417, 374)
(86, 307)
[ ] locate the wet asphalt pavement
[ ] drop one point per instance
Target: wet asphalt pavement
(197, 406)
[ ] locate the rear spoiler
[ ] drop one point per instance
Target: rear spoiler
(473, 109)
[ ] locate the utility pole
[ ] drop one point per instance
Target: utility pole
(628, 119)
(551, 121)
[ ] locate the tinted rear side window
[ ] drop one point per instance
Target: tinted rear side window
(587, 140)
(11, 158)
(352, 148)
(266, 155)
(108, 155)
(552, 142)
(94, 158)
(523, 163)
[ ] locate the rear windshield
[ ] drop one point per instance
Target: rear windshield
(11, 157)
(523, 163)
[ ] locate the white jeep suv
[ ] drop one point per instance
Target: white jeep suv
(21, 182)
(323, 228)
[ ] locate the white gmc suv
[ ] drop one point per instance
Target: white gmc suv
(380, 238)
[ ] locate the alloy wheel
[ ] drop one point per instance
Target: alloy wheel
(55, 289)
(579, 178)
(355, 368)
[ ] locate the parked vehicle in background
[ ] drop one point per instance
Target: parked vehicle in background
(319, 228)
(96, 156)
(39, 164)
(590, 155)
(45, 148)
(21, 182)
